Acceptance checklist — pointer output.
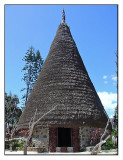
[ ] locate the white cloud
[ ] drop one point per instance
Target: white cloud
(111, 116)
(114, 78)
(108, 99)
(105, 77)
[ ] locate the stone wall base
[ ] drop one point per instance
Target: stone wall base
(36, 149)
(64, 149)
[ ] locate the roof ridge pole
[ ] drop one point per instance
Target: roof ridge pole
(63, 16)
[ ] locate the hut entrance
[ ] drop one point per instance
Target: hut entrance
(64, 137)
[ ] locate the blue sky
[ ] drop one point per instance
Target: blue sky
(93, 27)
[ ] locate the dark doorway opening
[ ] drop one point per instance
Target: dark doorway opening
(64, 137)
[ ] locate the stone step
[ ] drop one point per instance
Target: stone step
(64, 149)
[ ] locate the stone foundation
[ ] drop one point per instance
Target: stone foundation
(36, 149)
(46, 138)
(64, 149)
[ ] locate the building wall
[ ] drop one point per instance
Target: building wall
(48, 137)
(84, 135)
(41, 138)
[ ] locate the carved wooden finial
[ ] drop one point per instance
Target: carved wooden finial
(63, 16)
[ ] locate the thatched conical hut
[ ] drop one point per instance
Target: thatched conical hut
(65, 83)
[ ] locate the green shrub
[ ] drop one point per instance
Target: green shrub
(114, 133)
(82, 150)
(20, 145)
(109, 144)
(16, 144)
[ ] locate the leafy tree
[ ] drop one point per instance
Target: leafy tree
(38, 63)
(116, 118)
(34, 63)
(12, 112)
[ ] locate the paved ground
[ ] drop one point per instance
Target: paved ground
(46, 153)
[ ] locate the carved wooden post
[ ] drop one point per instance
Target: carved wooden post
(76, 139)
(52, 139)
(25, 149)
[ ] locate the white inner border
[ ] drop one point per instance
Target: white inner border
(120, 48)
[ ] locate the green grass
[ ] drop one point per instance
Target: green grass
(110, 150)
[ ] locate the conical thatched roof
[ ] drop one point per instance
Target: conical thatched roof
(65, 83)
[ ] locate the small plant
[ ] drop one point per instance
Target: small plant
(114, 133)
(109, 144)
(83, 150)
(20, 145)
(25, 134)
(94, 136)
(14, 145)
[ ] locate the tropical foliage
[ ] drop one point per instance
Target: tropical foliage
(12, 113)
(14, 145)
(109, 143)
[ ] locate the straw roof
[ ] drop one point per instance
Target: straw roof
(65, 83)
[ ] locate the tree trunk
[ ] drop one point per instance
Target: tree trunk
(25, 149)
(97, 148)
(31, 128)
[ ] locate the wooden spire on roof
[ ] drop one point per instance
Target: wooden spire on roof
(63, 16)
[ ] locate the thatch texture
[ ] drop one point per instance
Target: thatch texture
(64, 82)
